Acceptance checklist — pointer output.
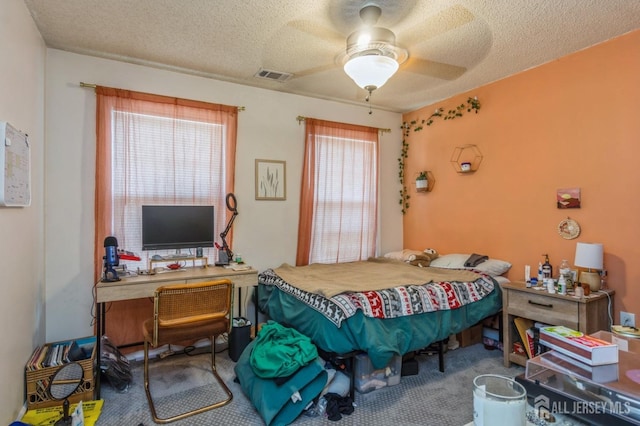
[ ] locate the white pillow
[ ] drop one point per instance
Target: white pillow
(494, 267)
(450, 261)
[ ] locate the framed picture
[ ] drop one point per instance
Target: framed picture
(568, 198)
(271, 182)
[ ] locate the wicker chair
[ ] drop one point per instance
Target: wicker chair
(188, 312)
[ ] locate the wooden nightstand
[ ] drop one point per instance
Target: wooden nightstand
(588, 314)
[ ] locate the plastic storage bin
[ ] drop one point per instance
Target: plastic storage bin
(367, 379)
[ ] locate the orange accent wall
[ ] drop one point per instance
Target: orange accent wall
(573, 122)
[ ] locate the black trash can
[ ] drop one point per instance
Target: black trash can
(239, 338)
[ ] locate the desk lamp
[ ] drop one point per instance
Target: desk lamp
(590, 256)
(225, 255)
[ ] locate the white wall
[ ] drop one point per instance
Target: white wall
(265, 232)
(21, 229)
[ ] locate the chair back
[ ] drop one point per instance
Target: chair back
(179, 305)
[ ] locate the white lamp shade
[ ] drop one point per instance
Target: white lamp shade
(589, 255)
(370, 71)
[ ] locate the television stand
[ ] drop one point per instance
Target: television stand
(174, 259)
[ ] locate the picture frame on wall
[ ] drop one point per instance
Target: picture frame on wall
(271, 180)
(568, 198)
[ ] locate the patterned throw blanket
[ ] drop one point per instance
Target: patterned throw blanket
(401, 299)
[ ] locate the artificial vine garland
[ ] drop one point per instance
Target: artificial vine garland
(473, 104)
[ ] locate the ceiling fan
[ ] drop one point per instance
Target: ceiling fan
(372, 56)
(382, 47)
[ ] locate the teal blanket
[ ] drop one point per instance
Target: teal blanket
(380, 338)
(280, 351)
(273, 402)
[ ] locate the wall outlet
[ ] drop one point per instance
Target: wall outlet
(627, 319)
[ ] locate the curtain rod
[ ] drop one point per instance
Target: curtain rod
(93, 86)
(301, 118)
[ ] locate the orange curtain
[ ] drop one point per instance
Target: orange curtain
(338, 196)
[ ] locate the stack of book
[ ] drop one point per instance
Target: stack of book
(528, 332)
(56, 354)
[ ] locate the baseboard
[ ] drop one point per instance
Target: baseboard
(22, 411)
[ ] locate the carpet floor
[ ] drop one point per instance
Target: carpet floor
(428, 398)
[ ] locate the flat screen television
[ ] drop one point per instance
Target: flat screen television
(177, 227)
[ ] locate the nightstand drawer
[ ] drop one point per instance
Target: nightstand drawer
(548, 309)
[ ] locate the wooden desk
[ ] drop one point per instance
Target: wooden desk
(143, 286)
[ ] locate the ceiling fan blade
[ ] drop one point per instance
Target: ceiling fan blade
(433, 69)
(314, 70)
(316, 30)
(303, 47)
(443, 21)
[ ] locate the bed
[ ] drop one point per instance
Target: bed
(381, 306)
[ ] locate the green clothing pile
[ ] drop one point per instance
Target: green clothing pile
(279, 351)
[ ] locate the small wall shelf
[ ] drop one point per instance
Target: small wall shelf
(431, 181)
(469, 154)
(179, 260)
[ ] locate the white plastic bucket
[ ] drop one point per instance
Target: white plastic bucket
(498, 401)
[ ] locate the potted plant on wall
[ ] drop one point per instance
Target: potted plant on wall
(421, 181)
(416, 125)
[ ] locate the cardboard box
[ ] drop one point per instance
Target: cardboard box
(587, 349)
(470, 336)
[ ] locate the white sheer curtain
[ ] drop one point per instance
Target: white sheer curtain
(339, 197)
(158, 160)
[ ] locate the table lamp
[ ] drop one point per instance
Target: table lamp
(590, 256)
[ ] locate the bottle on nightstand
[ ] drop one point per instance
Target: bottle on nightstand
(547, 269)
(565, 271)
(540, 274)
(562, 285)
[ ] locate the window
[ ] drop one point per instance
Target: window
(338, 211)
(158, 150)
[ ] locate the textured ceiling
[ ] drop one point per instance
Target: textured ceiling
(454, 46)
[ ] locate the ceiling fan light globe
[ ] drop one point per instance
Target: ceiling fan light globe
(370, 70)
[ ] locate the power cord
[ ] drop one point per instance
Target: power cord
(608, 308)
(191, 349)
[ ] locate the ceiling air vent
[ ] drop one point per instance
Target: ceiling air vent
(273, 75)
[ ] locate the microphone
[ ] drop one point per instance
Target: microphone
(111, 249)
(111, 259)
